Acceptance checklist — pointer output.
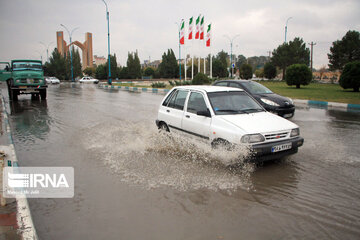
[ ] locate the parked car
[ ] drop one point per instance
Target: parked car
(88, 80)
(227, 116)
(52, 80)
(272, 102)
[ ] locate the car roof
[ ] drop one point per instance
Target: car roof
(232, 80)
(207, 88)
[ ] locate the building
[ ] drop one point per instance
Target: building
(98, 60)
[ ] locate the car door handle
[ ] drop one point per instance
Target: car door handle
(168, 110)
(187, 116)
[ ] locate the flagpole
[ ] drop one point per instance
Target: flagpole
(185, 64)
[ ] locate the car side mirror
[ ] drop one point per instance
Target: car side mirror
(204, 113)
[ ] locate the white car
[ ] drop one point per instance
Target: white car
(88, 80)
(52, 80)
(227, 116)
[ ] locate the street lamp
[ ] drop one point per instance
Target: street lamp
(40, 53)
(107, 16)
(70, 34)
(179, 51)
(286, 27)
(231, 44)
(47, 49)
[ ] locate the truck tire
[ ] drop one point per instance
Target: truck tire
(9, 91)
(13, 95)
(43, 94)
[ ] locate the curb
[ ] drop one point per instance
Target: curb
(134, 89)
(23, 215)
(328, 105)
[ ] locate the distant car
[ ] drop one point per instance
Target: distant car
(228, 116)
(272, 102)
(88, 80)
(52, 80)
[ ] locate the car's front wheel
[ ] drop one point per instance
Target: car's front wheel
(163, 127)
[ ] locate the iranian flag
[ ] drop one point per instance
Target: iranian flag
(182, 32)
(208, 36)
(190, 28)
(197, 28)
(202, 29)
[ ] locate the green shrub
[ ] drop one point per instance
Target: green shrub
(172, 83)
(269, 71)
(201, 79)
(298, 74)
(350, 77)
(246, 71)
(158, 85)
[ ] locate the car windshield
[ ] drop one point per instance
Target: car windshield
(256, 88)
(27, 66)
(233, 102)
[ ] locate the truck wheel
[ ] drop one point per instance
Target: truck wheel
(13, 95)
(43, 94)
(9, 89)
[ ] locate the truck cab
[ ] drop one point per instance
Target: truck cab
(23, 77)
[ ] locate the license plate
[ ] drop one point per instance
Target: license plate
(281, 147)
(23, 87)
(287, 115)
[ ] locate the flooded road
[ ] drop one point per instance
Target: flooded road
(133, 183)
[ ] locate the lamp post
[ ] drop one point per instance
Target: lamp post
(107, 17)
(179, 51)
(47, 49)
(70, 34)
(231, 44)
(40, 53)
(286, 27)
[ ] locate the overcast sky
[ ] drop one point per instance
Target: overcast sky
(149, 26)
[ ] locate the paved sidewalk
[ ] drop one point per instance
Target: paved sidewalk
(8, 221)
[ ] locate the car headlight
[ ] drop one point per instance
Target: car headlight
(269, 102)
(252, 138)
(291, 101)
(18, 80)
(295, 132)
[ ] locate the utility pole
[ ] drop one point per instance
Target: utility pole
(231, 44)
(286, 27)
(311, 55)
(108, 30)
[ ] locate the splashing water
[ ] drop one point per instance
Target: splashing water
(140, 154)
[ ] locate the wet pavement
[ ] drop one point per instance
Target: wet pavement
(133, 183)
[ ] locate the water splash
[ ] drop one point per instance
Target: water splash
(139, 154)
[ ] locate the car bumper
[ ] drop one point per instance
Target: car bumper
(263, 152)
(281, 111)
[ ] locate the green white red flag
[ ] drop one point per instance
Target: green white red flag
(202, 29)
(182, 32)
(190, 28)
(197, 34)
(208, 36)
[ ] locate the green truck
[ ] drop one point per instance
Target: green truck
(23, 77)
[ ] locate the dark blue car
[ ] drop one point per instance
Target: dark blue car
(272, 102)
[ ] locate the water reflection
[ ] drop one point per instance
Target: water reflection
(30, 119)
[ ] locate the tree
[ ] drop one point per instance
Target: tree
(124, 73)
(169, 67)
(56, 65)
(200, 79)
(294, 52)
(322, 70)
(90, 71)
(298, 74)
(133, 65)
(149, 71)
(219, 69)
(246, 71)
(269, 70)
(344, 51)
(76, 64)
(188, 71)
(350, 77)
(100, 72)
(259, 73)
(257, 62)
(241, 59)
